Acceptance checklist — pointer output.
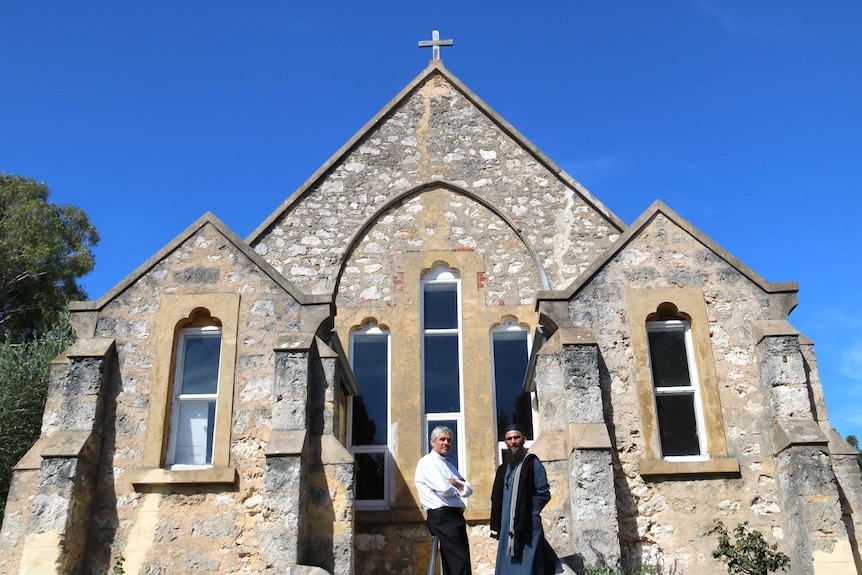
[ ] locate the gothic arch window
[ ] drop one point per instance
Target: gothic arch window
(675, 382)
(369, 425)
(509, 359)
(191, 400)
(194, 393)
(680, 407)
(442, 381)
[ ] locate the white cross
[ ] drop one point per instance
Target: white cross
(434, 43)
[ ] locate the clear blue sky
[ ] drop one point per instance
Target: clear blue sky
(745, 117)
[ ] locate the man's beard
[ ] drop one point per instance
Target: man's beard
(515, 457)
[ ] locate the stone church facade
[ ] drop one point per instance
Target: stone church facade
(249, 406)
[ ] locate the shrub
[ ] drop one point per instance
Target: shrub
(750, 554)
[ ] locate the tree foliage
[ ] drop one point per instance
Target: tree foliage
(24, 372)
(750, 554)
(44, 249)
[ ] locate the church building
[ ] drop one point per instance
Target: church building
(259, 405)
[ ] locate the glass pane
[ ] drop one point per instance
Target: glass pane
(677, 425)
(200, 364)
(510, 367)
(668, 358)
(194, 433)
(440, 306)
(453, 425)
(441, 374)
(370, 409)
(370, 471)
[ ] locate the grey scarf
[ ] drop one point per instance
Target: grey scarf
(516, 479)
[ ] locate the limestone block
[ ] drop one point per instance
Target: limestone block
(788, 432)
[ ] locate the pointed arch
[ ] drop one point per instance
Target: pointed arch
(362, 230)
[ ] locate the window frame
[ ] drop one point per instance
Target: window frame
(179, 398)
(175, 313)
(510, 325)
(443, 274)
(372, 330)
(693, 389)
(690, 302)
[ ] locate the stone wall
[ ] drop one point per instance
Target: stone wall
(436, 134)
(195, 528)
(670, 518)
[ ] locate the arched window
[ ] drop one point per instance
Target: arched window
(194, 392)
(369, 414)
(509, 358)
(676, 385)
(677, 388)
(189, 427)
(442, 383)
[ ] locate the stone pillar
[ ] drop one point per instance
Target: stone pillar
(845, 464)
(285, 470)
(815, 536)
(575, 435)
(59, 519)
(331, 481)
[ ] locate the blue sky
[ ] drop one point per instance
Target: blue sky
(742, 116)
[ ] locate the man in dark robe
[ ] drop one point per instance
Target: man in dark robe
(520, 492)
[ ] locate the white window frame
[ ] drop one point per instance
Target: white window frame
(508, 326)
(372, 330)
(692, 389)
(178, 398)
(443, 274)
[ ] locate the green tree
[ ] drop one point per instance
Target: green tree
(44, 249)
(24, 371)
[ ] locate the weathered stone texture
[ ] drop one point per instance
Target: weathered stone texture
(582, 392)
(437, 134)
(813, 521)
(664, 255)
(405, 548)
(206, 263)
(442, 220)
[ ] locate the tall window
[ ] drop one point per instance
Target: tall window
(510, 354)
(369, 414)
(195, 393)
(441, 356)
(676, 388)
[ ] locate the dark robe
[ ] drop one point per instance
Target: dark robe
(532, 553)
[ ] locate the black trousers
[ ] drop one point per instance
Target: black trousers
(448, 525)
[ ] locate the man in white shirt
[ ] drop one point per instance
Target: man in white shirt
(442, 490)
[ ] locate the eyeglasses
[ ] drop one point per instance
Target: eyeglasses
(514, 437)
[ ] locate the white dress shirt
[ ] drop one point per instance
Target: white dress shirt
(435, 491)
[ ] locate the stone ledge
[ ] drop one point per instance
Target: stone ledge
(33, 458)
(212, 475)
(551, 446)
(771, 328)
(838, 445)
(66, 444)
(295, 342)
(95, 347)
(285, 442)
(788, 432)
(565, 337)
(714, 466)
(332, 452)
(588, 436)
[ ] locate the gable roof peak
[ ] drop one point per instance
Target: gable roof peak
(637, 228)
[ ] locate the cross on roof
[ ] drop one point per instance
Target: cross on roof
(434, 43)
